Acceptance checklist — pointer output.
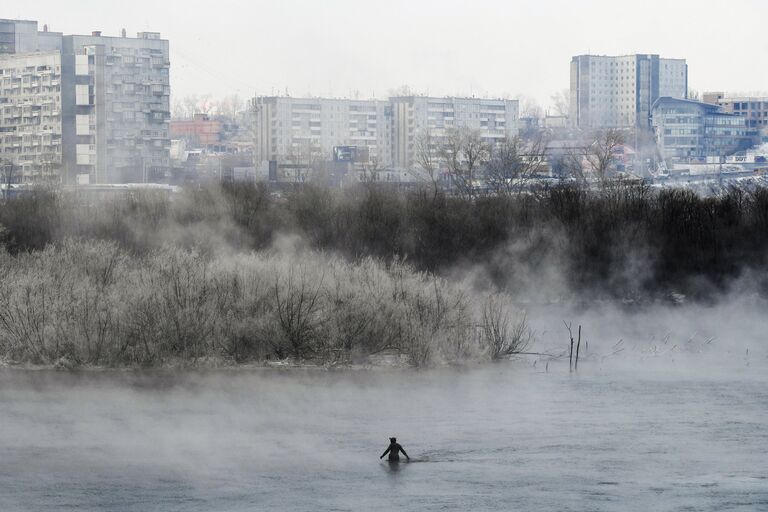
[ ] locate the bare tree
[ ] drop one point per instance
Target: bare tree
(305, 158)
(8, 169)
(230, 106)
(561, 102)
(531, 115)
(463, 153)
(403, 90)
(529, 107)
(572, 165)
(512, 163)
(298, 309)
(499, 337)
(371, 171)
(426, 158)
(600, 155)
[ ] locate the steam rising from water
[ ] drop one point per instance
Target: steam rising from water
(496, 437)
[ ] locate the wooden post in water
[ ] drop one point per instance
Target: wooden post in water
(570, 353)
(578, 344)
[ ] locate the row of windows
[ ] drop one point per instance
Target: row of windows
(753, 105)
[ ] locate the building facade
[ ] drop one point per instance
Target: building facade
(201, 130)
(415, 117)
(113, 98)
(619, 91)
(753, 108)
(302, 131)
(692, 131)
(383, 134)
(31, 115)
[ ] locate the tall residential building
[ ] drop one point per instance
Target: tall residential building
(418, 116)
(31, 126)
(753, 108)
(618, 92)
(98, 106)
(304, 130)
(691, 131)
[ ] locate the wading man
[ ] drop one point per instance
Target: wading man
(394, 450)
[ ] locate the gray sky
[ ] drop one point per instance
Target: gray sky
(481, 47)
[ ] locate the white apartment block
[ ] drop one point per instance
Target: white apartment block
(306, 130)
(618, 92)
(122, 106)
(31, 114)
(99, 106)
(418, 116)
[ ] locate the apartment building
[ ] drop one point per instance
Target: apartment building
(108, 99)
(420, 116)
(619, 91)
(306, 130)
(384, 133)
(31, 115)
(753, 108)
(692, 131)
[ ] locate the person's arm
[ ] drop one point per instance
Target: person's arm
(385, 452)
(406, 455)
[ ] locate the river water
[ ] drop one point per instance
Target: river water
(499, 437)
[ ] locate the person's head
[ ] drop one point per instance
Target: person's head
(392, 439)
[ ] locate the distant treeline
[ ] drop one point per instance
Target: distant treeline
(623, 241)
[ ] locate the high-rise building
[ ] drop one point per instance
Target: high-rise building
(493, 120)
(31, 125)
(305, 130)
(618, 92)
(77, 106)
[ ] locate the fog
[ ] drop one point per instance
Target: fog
(624, 433)
(666, 411)
(427, 49)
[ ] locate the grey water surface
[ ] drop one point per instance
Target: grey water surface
(496, 437)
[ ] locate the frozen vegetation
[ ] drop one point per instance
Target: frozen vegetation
(219, 275)
(92, 302)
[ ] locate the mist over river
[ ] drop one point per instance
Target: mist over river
(506, 436)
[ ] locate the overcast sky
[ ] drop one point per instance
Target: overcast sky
(447, 47)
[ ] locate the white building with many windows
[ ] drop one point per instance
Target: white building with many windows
(493, 120)
(306, 130)
(93, 108)
(31, 115)
(618, 92)
(301, 131)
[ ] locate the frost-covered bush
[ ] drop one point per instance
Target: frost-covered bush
(92, 302)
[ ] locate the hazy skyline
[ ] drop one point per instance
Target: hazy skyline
(484, 48)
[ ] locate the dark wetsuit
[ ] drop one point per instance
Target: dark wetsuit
(394, 450)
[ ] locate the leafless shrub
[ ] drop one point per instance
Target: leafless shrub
(501, 337)
(93, 303)
(298, 312)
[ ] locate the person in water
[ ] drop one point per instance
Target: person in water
(394, 450)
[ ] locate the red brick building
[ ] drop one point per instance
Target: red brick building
(200, 131)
